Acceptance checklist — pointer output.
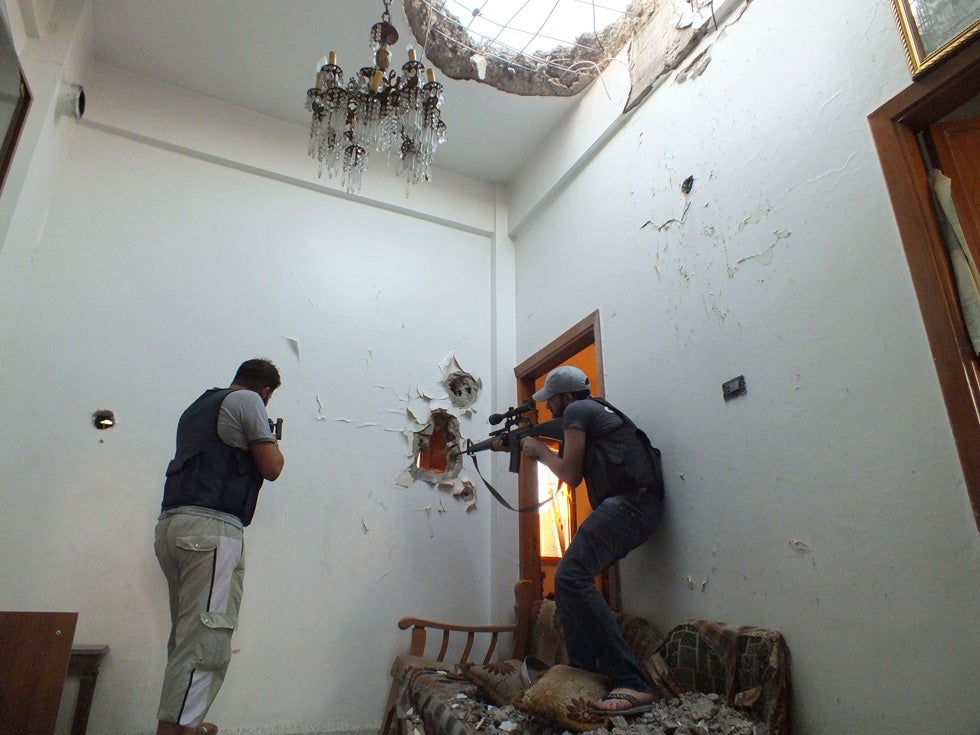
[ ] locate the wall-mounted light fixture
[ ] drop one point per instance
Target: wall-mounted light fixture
(103, 419)
(71, 100)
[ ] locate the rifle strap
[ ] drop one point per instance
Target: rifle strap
(501, 499)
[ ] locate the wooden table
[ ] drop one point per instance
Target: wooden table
(84, 663)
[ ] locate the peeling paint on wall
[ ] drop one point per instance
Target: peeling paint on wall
(695, 68)
(293, 345)
(763, 258)
(435, 439)
(756, 217)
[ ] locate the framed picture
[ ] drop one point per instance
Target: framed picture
(932, 30)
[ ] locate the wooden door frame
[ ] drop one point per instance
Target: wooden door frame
(895, 127)
(570, 343)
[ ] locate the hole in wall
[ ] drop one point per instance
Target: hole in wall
(103, 419)
(463, 389)
(436, 448)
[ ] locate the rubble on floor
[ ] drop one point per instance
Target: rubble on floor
(690, 714)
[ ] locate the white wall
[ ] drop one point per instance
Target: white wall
(148, 250)
(788, 269)
(41, 146)
(162, 256)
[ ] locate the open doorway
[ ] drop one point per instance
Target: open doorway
(544, 536)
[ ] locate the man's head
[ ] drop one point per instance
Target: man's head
(563, 385)
(258, 375)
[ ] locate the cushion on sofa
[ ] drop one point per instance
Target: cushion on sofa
(547, 641)
(563, 695)
(746, 665)
(501, 682)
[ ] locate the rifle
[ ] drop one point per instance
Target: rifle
(516, 427)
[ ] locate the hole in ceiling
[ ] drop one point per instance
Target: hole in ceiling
(525, 47)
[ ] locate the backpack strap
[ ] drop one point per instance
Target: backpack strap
(500, 498)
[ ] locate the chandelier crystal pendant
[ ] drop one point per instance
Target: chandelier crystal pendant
(376, 110)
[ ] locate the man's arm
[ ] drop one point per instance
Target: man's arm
(268, 459)
(568, 467)
(244, 423)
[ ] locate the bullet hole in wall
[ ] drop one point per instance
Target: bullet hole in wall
(103, 419)
(463, 389)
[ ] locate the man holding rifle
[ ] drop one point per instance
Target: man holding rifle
(225, 450)
(622, 473)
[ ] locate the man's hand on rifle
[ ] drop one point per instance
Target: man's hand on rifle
(534, 448)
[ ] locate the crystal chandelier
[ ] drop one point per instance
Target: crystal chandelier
(376, 110)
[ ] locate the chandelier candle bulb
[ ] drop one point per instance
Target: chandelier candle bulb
(430, 75)
(319, 73)
(333, 58)
(376, 80)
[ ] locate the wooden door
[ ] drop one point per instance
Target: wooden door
(895, 127)
(957, 148)
(580, 338)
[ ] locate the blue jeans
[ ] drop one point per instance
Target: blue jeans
(594, 641)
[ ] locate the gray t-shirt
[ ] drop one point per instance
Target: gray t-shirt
(590, 416)
(243, 421)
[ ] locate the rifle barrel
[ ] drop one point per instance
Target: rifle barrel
(549, 429)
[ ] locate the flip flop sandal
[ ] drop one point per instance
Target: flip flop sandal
(635, 707)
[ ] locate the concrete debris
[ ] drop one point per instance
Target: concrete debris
(692, 713)
(480, 62)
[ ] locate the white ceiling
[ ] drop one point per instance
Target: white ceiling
(262, 55)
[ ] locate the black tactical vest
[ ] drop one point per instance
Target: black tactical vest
(206, 472)
(621, 461)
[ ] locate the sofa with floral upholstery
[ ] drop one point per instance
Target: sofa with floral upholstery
(747, 667)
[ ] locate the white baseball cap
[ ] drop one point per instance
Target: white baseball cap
(564, 379)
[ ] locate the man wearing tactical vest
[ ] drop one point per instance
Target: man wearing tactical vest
(623, 475)
(225, 450)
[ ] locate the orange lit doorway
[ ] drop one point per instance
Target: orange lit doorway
(543, 535)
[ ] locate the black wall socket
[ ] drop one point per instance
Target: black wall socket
(733, 387)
